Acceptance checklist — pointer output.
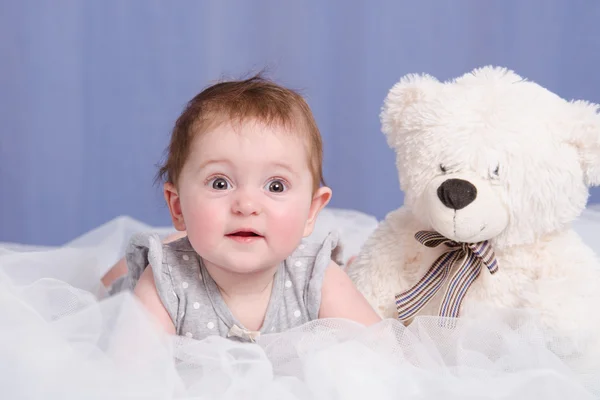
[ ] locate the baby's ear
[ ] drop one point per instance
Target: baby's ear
(401, 111)
(174, 203)
(585, 137)
(319, 201)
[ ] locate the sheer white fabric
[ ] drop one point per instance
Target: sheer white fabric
(61, 338)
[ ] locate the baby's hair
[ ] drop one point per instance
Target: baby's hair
(255, 98)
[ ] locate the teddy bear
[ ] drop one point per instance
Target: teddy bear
(494, 169)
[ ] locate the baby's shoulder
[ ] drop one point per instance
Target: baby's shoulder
(306, 266)
(305, 269)
(317, 250)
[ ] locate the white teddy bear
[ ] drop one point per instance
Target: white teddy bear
(494, 169)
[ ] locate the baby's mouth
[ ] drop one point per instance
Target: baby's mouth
(244, 233)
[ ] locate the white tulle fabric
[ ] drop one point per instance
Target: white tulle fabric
(62, 338)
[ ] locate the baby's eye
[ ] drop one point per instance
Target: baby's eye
(220, 184)
(276, 186)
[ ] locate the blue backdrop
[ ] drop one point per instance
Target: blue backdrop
(90, 89)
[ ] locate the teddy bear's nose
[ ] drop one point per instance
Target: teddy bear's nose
(457, 193)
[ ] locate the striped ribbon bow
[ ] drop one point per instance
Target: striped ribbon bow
(468, 256)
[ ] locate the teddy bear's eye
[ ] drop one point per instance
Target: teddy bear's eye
(496, 171)
(443, 168)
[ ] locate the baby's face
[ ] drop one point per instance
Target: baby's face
(245, 194)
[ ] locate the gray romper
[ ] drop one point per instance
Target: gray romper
(194, 302)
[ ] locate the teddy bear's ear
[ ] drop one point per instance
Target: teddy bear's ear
(400, 113)
(585, 136)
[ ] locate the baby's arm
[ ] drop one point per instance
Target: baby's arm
(145, 291)
(115, 272)
(341, 299)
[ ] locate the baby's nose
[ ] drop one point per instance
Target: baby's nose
(246, 204)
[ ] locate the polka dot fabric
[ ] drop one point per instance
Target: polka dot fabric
(193, 300)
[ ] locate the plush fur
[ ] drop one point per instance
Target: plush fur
(532, 157)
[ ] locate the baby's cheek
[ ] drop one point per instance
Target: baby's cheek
(287, 229)
(203, 222)
(290, 229)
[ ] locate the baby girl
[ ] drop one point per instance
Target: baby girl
(243, 183)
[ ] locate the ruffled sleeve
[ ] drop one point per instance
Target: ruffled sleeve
(147, 249)
(330, 249)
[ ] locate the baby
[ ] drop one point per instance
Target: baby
(243, 183)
